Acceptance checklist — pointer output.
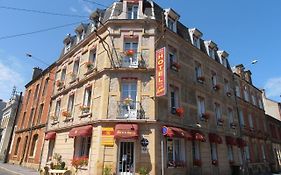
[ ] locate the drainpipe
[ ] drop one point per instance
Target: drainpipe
(6, 156)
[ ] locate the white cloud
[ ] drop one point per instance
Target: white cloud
(74, 10)
(8, 79)
(273, 87)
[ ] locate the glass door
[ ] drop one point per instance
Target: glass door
(126, 158)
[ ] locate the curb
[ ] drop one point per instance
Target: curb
(14, 172)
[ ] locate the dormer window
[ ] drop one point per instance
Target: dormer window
(80, 36)
(67, 47)
(211, 52)
(196, 41)
(195, 36)
(211, 48)
(132, 11)
(171, 18)
(223, 57)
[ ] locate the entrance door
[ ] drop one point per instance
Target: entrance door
(126, 158)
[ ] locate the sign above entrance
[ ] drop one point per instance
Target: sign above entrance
(126, 131)
(160, 74)
(107, 138)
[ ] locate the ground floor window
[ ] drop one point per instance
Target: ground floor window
(240, 155)
(196, 153)
(247, 152)
(175, 152)
(214, 154)
(17, 146)
(51, 150)
(82, 146)
(33, 145)
(230, 153)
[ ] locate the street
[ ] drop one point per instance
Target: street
(4, 172)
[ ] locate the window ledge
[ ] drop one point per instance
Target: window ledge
(89, 71)
(74, 80)
(68, 119)
(54, 122)
(88, 114)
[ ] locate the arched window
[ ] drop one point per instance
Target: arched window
(33, 145)
(17, 146)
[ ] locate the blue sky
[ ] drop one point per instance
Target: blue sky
(247, 30)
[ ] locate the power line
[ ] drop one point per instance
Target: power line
(94, 2)
(40, 31)
(42, 12)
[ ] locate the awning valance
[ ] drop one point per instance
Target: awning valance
(176, 132)
(214, 138)
(126, 131)
(230, 140)
(50, 136)
(82, 131)
(241, 143)
(197, 135)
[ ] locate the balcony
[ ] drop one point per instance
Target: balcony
(130, 110)
(132, 60)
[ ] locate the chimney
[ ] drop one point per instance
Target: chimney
(248, 76)
(36, 72)
(239, 69)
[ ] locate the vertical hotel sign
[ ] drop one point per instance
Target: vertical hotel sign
(161, 72)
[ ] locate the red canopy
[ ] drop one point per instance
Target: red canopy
(241, 143)
(214, 138)
(230, 140)
(126, 131)
(176, 132)
(50, 136)
(197, 135)
(82, 131)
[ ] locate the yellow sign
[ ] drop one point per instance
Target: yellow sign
(107, 138)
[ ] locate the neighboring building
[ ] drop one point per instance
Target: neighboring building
(271, 107)
(254, 132)
(274, 126)
(104, 107)
(2, 106)
(7, 124)
(30, 127)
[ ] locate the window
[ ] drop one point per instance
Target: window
(171, 24)
(80, 36)
(93, 57)
(212, 52)
(201, 106)
(63, 73)
(241, 118)
(28, 96)
(254, 100)
(175, 152)
(246, 95)
(251, 121)
(129, 90)
(87, 96)
(50, 150)
(133, 11)
(40, 113)
(198, 72)
(226, 86)
(260, 104)
(75, 69)
(67, 47)
(31, 117)
(36, 92)
(196, 41)
(57, 111)
(82, 146)
(33, 146)
(17, 146)
(237, 91)
(230, 116)
(218, 111)
(131, 50)
(263, 152)
(70, 104)
(230, 152)
(240, 155)
(172, 56)
(214, 154)
(45, 86)
(247, 152)
(174, 99)
(214, 79)
(23, 119)
(128, 107)
(224, 61)
(196, 150)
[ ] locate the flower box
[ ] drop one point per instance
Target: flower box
(130, 53)
(59, 83)
(79, 162)
(205, 116)
(84, 109)
(180, 111)
(201, 79)
(229, 94)
(176, 163)
(233, 125)
(220, 122)
(53, 117)
(66, 114)
(89, 65)
(175, 66)
(216, 87)
(197, 162)
(215, 162)
(128, 101)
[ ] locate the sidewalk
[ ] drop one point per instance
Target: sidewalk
(19, 170)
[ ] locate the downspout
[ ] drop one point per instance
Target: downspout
(6, 156)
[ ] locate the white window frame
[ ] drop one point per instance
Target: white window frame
(201, 106)
(214, 79)
(132, 61)
(87, 96)
(58, 108)
(212, 52)
(171, 24)
(134, 12)
(196, 41)
(180, 156)
(198, 70)
(70, 104)
(75, 70)
(63, 74)
(67, 47)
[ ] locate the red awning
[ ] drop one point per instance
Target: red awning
(176, 132)
(230, 140)
(214, 138)
(50, 136)
(241, 143)
(197, 135)
(126, 131)
(82, 131)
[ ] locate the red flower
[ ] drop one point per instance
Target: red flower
(206, 116)
(66, 114)
(197, 162)
(78, 162)
(58, 83)
(180, 111)
(215, 162)
(201, 78)
(217, 87)
(130, 52)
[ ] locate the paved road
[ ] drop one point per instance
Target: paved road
(4, 172)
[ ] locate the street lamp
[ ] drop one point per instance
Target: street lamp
(28, 55)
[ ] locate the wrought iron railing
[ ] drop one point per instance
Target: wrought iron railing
(130, 110)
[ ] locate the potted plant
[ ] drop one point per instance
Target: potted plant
(59, 83)
(197, 162)
(180, 111)
(220, 121)
(79, 162)
(128, 100)
(215, 162)
(229, 94)
(66, 114)
(143, 171)
(216, 87)
(175, 66)
(205, 116)
(107, 170)
(84, 109)
(57, 163)
(54, 118)
(89, 65)
(201, 79)
(130, 53)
